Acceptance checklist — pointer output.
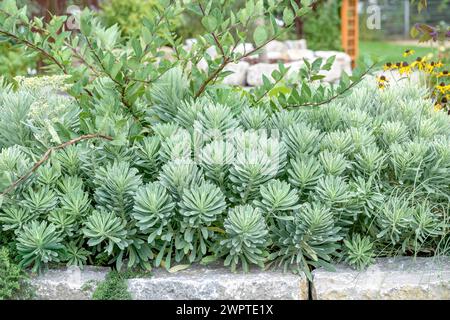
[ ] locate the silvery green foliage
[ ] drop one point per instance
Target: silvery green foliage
(362, 168)
(250, 169)
(176, 175)
(277, 198)
(304, 172)
(216, 158)
(254, 118)
(14, 108)
(167, 93)
(71, 160)
(105, 231)
(14, 163)
(337, 141)
(14, 218)
(165, 130)
(40, 201)
(176, 146)
(284, 119)
(395, 220)
(359, 251)
(189, 110)
(333, 163)
(39, 244)
(215, 121)
(200, 206)
(310, 239)
(116, 185)
(153, 209)
(301, 138)
(246, 237)
(148, 156)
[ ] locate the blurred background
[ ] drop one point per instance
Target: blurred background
(364, 28)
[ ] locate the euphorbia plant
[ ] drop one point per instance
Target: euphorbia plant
(133, 117)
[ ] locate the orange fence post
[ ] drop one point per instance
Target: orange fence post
(350, 29)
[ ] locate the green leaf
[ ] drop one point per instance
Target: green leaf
(260, 35)
(210, 23)
(179, 268)
(414, 32)
(208, 259)
(288, 16)
(317, 77)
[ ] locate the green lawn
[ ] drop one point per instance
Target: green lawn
(388, 51)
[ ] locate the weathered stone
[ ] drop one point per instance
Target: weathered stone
(275, 45)
(342, 63)
(274, 57)
(167, 54)
(299, 54)
(296, 44)
(68, 283)
(203, 64)
(255, 73)
(274, 50)
(389, 278)
(294, 67)
(244, 48)
(239, 76)
(217, 282)
(189, 43)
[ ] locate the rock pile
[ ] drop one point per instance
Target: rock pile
(250, 70)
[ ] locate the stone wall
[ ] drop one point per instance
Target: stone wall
(401, 278)
(250, 70)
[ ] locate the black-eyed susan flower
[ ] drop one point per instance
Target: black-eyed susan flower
(444, 101)
(429, 67)
(419, 63)
(388, 66)
(442, 74)
(382, 81)
(408, 53)
(405, 68)
(443, 88)
(439, 64)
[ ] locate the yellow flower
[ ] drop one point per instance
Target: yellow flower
(405, 68)
(382, 81)
(429, 67)
(438, 106)
(443, 74)
(388, 66)
(408, 52)
(439, 64)
(419, 63)
(443, 88)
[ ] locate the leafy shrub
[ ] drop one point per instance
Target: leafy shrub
(129, 15)
(323, 28)
(161, 165)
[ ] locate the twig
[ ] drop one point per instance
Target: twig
(216, 40)
(268, 90)
(227, 59)
(211, 77)
(354, 83)
(47, 155)
(34, 47)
